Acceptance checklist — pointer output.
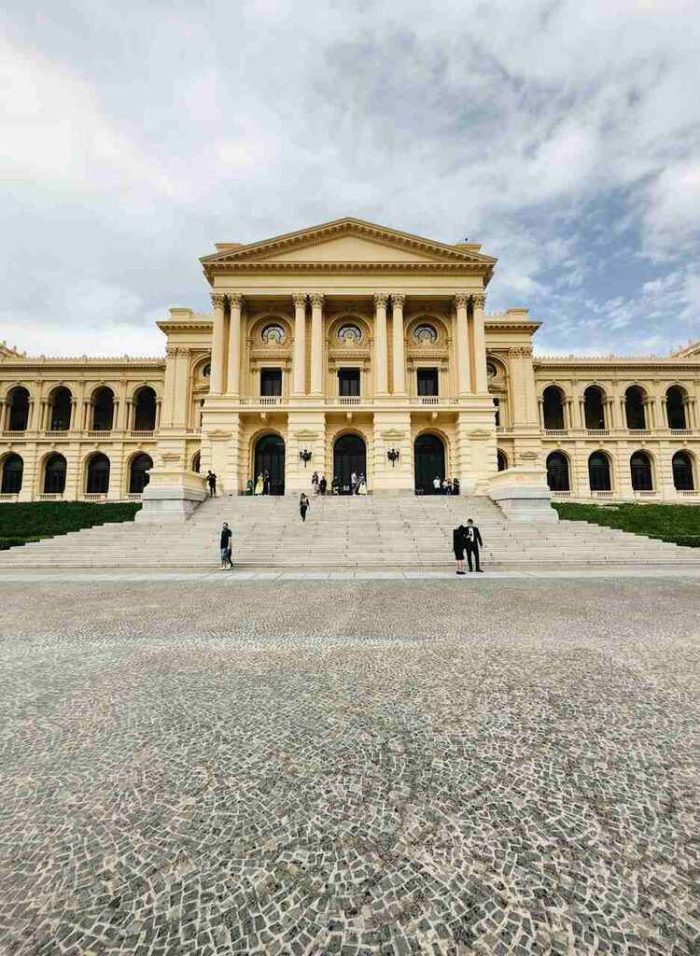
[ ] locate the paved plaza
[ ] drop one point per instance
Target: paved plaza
(192, 766)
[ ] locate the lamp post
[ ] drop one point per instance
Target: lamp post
(305, 456)
(393, 456)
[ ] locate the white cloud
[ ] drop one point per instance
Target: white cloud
(136, 136)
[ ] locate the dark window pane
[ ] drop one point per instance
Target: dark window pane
(427, 381)
(271, 381)
(349, 382)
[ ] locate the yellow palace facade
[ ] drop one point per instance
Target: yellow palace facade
(349, 347)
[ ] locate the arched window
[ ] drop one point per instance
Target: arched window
(196, 462)
(599, 472)
(97, 475)
(594, 407)
(502, 460)
(60, 404)
(18, 401)
(675, 408)
(683, 478)
(12, 470)
(138, 473)
(145, 409)
(558, 472)
(553, 407)
(103, 410)
(634, 408)
(640, 468)
(55, 475)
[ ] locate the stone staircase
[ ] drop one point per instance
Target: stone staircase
(345, 533)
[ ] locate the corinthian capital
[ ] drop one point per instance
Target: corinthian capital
(479, 301)
(461, 299)
(217, 300)
(316, 299)
(398, 298)
(235, 300)
(299, 300)
(381, 299)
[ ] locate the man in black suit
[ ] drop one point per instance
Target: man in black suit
(472, 542)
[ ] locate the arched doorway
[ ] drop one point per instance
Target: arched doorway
(97, 475)
(675, 408)
(558, 472)
(145, 409)
(429, 455)
(349, 455)
(599, 472)
(594, 407)
(640, 468)
(196, 461)
(103, 409)
(60, 406)
(553, 408)
(683, 479)
(12, 470)
(501, 460)
(635, 413)
(55, 475)
(18, 416)
(269, 457)
(138, 473)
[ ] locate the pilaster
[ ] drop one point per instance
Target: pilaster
(306, 429)
(392, 430)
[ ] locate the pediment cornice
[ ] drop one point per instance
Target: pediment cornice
(260, 256)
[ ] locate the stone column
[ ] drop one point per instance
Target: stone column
(299, 386)
(128, 415)
(481, 381)
(540, 405)
(216, 380)
(381, 376)
(397, 302)
(233, 386)
(317, 370)
(2, 414)
(464, 384)
(159, 403)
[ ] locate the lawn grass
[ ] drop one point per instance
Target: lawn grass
(32, 520)
(677, 523)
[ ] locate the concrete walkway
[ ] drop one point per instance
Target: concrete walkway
(240, 577)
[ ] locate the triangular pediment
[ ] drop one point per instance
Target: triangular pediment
(347, 243)
(690, 351)
(7, 353)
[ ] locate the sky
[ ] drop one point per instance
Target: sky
(564, 135)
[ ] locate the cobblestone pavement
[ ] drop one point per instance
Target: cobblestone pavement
(349, 767)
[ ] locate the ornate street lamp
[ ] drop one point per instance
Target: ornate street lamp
(305, 456)
(393, 456)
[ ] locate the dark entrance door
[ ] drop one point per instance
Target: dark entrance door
(269, 457)
(429, 453)
(349, 454)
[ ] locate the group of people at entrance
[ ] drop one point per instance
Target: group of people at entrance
(356, 484)
(445, 486)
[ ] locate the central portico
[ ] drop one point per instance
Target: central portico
(349, 343)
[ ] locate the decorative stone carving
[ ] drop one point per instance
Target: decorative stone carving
(425, 334)
(299, 300)
(273, 334)
(217, 300)
(479, 301)
(316, 299)
(461, 299)
(381, 299)
(350, 334)
(235, 299)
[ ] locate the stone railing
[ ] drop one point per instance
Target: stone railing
(556, 432)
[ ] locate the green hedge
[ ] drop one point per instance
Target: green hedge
(679, 524)
(32, 520)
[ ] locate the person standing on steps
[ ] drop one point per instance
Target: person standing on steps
(259, 485)
(303, 506)
(472, 544)
(225, 546)
(314, 483)
(353, 483)
(266, 483)
(459, 544)
(211, 481)
(322, 485)
(437, 484)
(335, 485)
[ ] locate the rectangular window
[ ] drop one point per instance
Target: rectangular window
(348, 382)
(427, 381)
(271, 381)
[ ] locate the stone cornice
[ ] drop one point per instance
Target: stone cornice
(188, 325)
(614, 361)
(262, 266)
(83, 362)
(500, 325)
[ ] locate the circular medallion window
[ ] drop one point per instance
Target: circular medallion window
(273, 335)
(491, 370)
(425, 334)
(349, 334)
(206, 370)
